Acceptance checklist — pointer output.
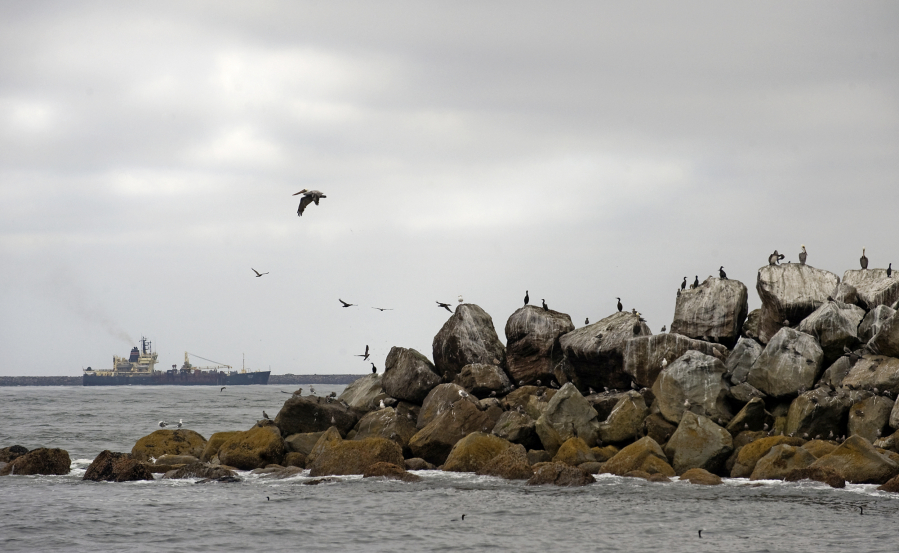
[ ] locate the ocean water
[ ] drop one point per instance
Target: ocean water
(64, 513)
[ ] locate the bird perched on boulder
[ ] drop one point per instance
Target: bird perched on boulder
(265, 415)
(890, 271)
(803, 255)
(444, 305)
(695, 283)
(163, 424)
(460, 298)
(664, 362)
(721, 273)
(309, 196)
(863, 260)
(545, 308)
(664, 328)
(683, 285)
(620, 307)
(527, 298)
(775, 258)
(374, 369)
(587, 321)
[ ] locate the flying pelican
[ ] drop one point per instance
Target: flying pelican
(309, 196)
(444, 305)
(345, 304)
(863, 260)
(258, 274)
(803, 255)
(364, 356)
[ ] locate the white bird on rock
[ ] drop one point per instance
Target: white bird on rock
(664, 362)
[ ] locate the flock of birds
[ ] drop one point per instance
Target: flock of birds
(179, 424)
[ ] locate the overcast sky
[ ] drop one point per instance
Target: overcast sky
(581, 151)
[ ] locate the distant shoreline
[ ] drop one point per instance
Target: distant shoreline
(277, 379)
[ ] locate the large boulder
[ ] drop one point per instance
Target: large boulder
(873, 286)
(625, 421)
(301, 414)
(790, 292)
(712, 312)
(361, 393)
(751, 453)
(644, 455)
(468, 337)
(873, 322)
(408, 375)
(873, 371)
(701, 477)
(169, 442)
(355, 456)
(532, 343)
(511, 464)
(483, 380)
(656, 427)
(836, 372)
(595, 353)
(780, 461)
(434, 442)
(790, 362)
(567, 415)
(111, 466)
(741, 360)
(574, 452)
(817, 412)
(858, 462)
(886, 342)
(42, 460)
(643, 355)
(472, 452)
(439, 400)
(698, 443)
(835, 326)
(253, 449)
(560, 474)
(518, 428)
(325, 441)
(214, 443)
(752, 324)
(386, 423)
(303, 442)
(869, 418)
(693, 382)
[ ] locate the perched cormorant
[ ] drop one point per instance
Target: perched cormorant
(664, 328)
(890, 271)
(345, 304)
(527, 298)
(265, 415)
(258, 274)
(803, 255)
(444, 305)
(309, 196)
(683, 285)
(721, 273)
(863, 260)
(620, 307)
(545, 308)
(364, 356)
(374, 369)
(587, 321)
(696, 282)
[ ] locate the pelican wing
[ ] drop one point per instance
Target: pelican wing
(306, 200)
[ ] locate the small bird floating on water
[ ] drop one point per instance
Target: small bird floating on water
(364, 356)
(863, 260)
(803, 255)
(620, 307)
(309, 196)
(345, 304)
(258, 274)
(444, 305)
(721, 273)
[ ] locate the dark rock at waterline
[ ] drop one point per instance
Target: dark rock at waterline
(255, 448)
(42, 460)
(644, 455)
(434, 442)
(511, 464)
(874, 287)
(790, 292)
(417, 463)
(390, 471)
(560, 474)
(532, 343)
(409, 375)
(481, 380)
(780, 461)
(698, 443)
(472, 452)
(8, 454)
(643, 355)
(198, 470)
(713, 312)
(790, 362)
(693, 382)
(110, 466)
(303, 414)
(468, 337)
(595, 353)
(835, 326)
(858, 462)
(701, 477)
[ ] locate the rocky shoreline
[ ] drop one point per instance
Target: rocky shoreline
(803, 388)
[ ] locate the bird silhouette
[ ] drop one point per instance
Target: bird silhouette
(863, 260)
(722, 274)
(374, 369)
(545, 308)
(258, 274)
(383, 308)
(620, 307)
(265, 415)
(444, 305)
(364, 356)
(309, 196)
(683, 284)
(526, 297)
(223, 389)
(345, 304)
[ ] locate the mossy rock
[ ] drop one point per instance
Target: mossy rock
(354, 456)
(574, 451)
(560, 474)
(255, 448)
(701, 477)
(644, 454)
(511, 464)
(474, 451)
(169, 442)
(214, 443)
(42, 460)
(391, 472)
(603, 454)
(752, 452)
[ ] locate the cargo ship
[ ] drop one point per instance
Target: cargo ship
(139, 369)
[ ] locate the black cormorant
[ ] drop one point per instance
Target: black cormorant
(721, 273)
(863, 260)
(587, 321)
(696, 282)
(527, 298)
(890, 271)
(620, 307)
(345, 304)
(545, 308)
(683, 285)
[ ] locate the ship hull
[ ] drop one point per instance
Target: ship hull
(197, 378)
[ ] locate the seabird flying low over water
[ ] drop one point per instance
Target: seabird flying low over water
(265, 415)
(803, 255)
(721, 273)
(258, 274)
(620, 307)
(345, 304)
(309, 196)
(444, 305)
(364, 356)
(863, 260)
(374, 369)
(223, 389)
(545, 308)
(527, 298)
(383, 308)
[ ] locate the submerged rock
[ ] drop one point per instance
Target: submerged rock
(713, 312)
(643, 355)
(468, 337)
(560, 474)
(532, 343)
(701, 477)
(790, 292)
(409, 375)
(198, 470)
(42, 460)
(390, 471)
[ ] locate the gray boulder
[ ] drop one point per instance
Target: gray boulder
(408, 375)
(625, 421)
(835, 326)
(780, 460)
(751, 325)
(845, 293)
(440, 400)
(741, 359)
(481, 380)
(362, 392)
(568, 415)
(301, 414)
(886, 342)
(468, 337)
(789, 363)
(790, 292)
(386, 423)
(873, 322)
(817, 412)
(693, 382)
(836, 372)
(595, 353)
(643, 355)
(870, 417)
(894, 416)
(713, 312)
(744, 393)
(518, 428)
(698, 443)
(873, 371)
(434, 442)
(752, 417)
(532, 338)
(874, 286)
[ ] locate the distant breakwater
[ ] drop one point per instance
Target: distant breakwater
(336, 379)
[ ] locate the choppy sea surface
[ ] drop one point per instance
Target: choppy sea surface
(64, 513)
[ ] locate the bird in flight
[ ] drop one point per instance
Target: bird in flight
(345, 304)
(258, 274)
(383, 308)
(444, 305)
(309, 196)
(222, 390)
(364, 356)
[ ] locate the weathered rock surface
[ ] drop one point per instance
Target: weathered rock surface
(753, 451)
(294, 459)
(42, 460)
(171, 442)
(643, 355)
(302, 442)
(409, 375)
(886, 342)
(874, 287)
(713, 312)
(836, 372)
(574, 451)
(845, 293)
(698, 443)
(595, 353)
(440, 400)
(818, 474)
(873, 322)
(656, 427)
(536, 456)
(482, 380)
(819, 448)
(741, 360)
(858, 462)
(817, 412)
(752, 417)
(198, 470)
(434, 442)
(695, 378)
(110, 466)
(560, 474)
(790, 292)
(303, 414)
(362, 392)
(417, 463)
(7, 454)
(532, 343)
(518, 428)
(255, 448)
(744, 393)
(386, 423)
(835, 326)
(780, 461)
(341, 457)
(511, 464)
(468, 337)
(790, 362)
(214, 443)
(869, 418)
(644, 454)
(472, 452)
(326, 440)
(567, 415)
(625, 421)
(701, 477)
(752, 324)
